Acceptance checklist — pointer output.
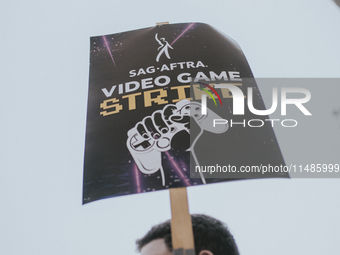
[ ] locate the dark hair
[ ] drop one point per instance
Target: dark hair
(209, 234)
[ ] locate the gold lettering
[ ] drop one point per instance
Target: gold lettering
(132, 100)
(158, 100)
(181, 93)
(105, 106)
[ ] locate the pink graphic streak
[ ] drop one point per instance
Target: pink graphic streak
(108, 48)
(139, 190)
(184, 31)
(178, 170)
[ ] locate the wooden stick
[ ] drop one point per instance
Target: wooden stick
(181, 226)
(162, 23)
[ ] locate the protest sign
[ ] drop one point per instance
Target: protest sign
(145, 124)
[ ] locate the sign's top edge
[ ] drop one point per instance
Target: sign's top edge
(162, 25)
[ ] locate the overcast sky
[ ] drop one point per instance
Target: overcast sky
(43, 97)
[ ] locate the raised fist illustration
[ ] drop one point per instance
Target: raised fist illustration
(153, 135)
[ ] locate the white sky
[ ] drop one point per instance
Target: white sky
(43, 97)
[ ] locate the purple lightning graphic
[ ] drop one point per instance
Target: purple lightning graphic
(108, 48)
(178, 170)
(136, 172)
(184, 31)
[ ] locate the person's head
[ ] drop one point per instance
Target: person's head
(211, 237)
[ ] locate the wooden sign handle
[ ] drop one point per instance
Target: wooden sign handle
(162, 23)
(181, 226)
